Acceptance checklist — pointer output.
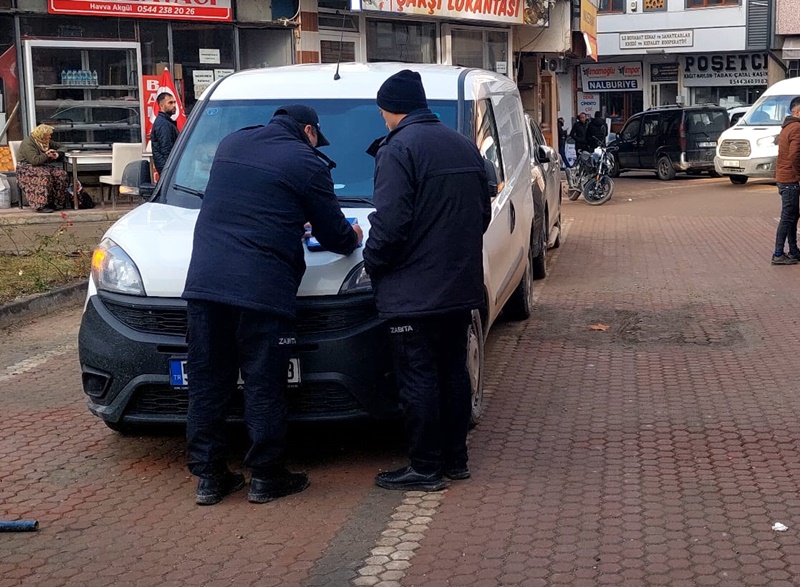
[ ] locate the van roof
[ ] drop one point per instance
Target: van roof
(357, 81)
(785, 87)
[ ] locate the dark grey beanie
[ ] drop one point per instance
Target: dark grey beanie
(402, 93)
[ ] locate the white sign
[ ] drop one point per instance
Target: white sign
(612, 77)
(210, 56)
(202, 78)
(746, 69)
(656, 40)
(501, 67)
(588, 103)
(220, 73)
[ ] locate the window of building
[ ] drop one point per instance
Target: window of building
(41, 27)
(727, 96)
(794, 68)
(480, 48)
(187, 40)
(407, 42)
(611, 6)
(711, 3)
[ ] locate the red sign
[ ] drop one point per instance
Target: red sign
(150, 85)
(216, 10)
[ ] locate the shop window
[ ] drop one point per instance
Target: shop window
(155, 49)
(619, 106)
(40, 27)
(711, 3)
(727, 96)
(192, 76)
(794, 68)
(389, 40)
(480, 48)
(265, 47)
(611, 6)
(5, 4)
(488, 138)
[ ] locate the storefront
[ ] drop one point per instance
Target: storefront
(725, 79)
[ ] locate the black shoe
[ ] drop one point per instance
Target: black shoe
(457, 473)
(795, 256)
(211, 490)
(407, 479)
(783, 260)
(279, 485)
(45, 210)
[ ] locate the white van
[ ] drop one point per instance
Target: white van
(132, 339)
(748, 149)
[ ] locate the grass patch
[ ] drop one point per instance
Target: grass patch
(22, 275)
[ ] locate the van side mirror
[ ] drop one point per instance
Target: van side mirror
(136, 180)
(491, 175)
(545, 154)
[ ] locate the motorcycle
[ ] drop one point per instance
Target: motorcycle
(590, 177)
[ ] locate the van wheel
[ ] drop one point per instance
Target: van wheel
(664, 169)
(738, 179)
(475, 367)
(713, 173)
(519, 305)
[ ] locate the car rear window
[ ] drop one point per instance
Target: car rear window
(706, 121)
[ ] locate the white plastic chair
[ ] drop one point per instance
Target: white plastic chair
(121, 155)
(14, 148)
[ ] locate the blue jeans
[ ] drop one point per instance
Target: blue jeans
(790, 212)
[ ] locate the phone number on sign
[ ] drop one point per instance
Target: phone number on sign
(165, 10)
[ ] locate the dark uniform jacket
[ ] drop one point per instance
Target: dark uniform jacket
(787, 166)
(265, 183)
(597, 132)
(580, 134)
(425, 248)
(162, 138)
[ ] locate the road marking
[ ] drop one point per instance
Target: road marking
(33, 362)
(391, 556)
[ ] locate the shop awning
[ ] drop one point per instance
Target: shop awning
(791, 48)
(591, 46)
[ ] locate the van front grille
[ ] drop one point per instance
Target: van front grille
(734, 148)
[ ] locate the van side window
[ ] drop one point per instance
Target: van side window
(631, 130)
(488, 139)
(670, 122)
(650, 125)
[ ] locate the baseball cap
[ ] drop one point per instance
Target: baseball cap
(304, 115)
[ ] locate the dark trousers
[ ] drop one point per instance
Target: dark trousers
(562, 151)
(224, 340)
(790, 212)
(430, 358)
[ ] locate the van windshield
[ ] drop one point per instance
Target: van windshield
(349, 125)
(768, 111)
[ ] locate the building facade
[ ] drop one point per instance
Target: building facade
(787, 36)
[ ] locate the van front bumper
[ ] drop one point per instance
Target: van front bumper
(759, 167)
(126, 343)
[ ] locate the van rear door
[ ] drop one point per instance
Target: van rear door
(703, 128)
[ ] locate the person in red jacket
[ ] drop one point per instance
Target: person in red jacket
(787, 176)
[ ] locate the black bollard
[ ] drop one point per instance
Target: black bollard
(19, 525)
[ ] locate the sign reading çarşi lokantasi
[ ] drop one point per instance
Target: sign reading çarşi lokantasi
(205, 10)
(495, 11)
(612, 77)
(738, 69)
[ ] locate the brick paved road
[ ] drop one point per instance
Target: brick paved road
(657, 452)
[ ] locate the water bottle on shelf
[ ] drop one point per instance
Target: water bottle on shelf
(94, 77)
(63, 77)
(70, 78)
(84, 80)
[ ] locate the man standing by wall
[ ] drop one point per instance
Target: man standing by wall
(165, 130)
(787, 175)
(246, 267)
(425, 257)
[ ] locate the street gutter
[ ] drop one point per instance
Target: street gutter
(30, 307)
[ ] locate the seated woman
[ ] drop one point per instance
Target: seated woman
(45, 185)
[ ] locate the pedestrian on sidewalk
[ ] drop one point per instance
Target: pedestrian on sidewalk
(580, 134)
(40, 171)
(165, 130)
(424, 256)
(787, 176)
(562, 144)
(265, 183)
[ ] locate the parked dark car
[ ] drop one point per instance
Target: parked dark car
(669, 139)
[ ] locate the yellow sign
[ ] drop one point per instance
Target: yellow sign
(588, 18)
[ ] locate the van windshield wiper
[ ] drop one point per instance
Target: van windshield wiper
(348, 200)
(188, 190)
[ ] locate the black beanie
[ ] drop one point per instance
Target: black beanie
(402, 93)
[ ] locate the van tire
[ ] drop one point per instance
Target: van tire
(475, 354)
(738, 179)
(664, 169)
(520, 304)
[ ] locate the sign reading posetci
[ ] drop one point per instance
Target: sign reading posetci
(211, 10)
(500, 11)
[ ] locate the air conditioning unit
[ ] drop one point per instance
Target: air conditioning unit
(554, 64)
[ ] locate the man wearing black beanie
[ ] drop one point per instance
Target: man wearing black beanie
(425, 258)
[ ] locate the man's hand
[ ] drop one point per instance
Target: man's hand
(359, 233)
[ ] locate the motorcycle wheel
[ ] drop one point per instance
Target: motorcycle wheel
(597, 192)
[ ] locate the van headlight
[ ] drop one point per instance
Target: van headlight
(357, 281)
(767, 141)
(113, 270)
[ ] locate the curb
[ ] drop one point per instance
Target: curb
(41, 304)
(56, 218)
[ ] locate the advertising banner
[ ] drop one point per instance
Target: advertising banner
(612, 77)
(488, 11)
(204, 10)
(746, 69)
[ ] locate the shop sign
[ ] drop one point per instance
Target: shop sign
(588, 103)
(209, 56)
(657, 40)
(497, 11)
(747, 69)
(201, 78)
(612, 77)
(664, 72)
(202, 10)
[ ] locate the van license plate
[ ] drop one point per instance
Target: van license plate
(178, 378)
(707, 144)
(730, 163)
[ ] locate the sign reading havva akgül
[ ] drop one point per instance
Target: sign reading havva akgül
(612, 77)
(208, 10)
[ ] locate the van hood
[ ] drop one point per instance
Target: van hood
(159, 239)
(751, 133)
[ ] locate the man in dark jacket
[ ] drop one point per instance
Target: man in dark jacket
(580, 134)
(597, 131)
(165, 130)
(562, 144)
(787, 176)
(266, 182)
(425, 258)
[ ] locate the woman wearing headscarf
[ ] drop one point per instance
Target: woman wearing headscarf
(45, 185)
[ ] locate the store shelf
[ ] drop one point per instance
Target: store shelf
(89, 103)
(70, 87)
(94, 126)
